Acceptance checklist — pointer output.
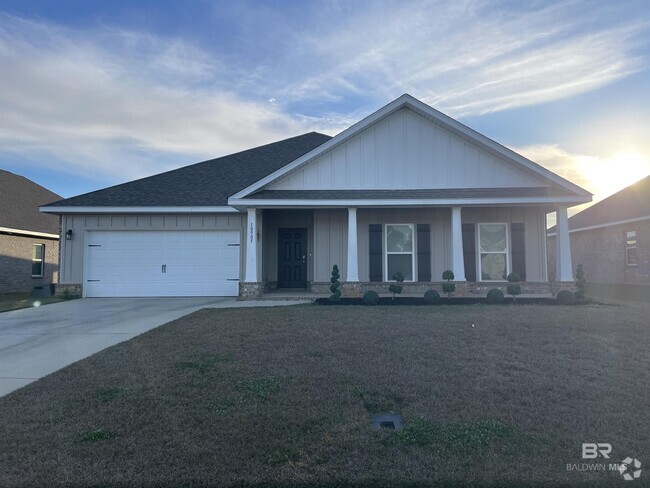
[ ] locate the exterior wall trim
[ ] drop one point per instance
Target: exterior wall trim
(283, 203)
(138, 210)
(29, 233)
(608, 224)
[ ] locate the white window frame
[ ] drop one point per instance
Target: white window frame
(628, 247)
(42, 260)
(386, 252)
(479, 252)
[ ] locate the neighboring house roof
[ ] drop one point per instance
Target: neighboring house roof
(206, 184)
(19, 202)
(630, 204)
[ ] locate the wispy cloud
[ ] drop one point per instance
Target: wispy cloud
(466, 58)
(109, 101)
(121, 103)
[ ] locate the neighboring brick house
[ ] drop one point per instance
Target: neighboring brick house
(611, 239)
(29, 239)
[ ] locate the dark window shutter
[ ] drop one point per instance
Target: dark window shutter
(376, 254)
(469, 251)
(517, 241)
(424, 252)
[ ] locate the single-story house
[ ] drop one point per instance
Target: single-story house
(407, 189)
(29, 239)
(611, 239)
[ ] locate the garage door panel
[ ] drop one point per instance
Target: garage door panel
(130, 263)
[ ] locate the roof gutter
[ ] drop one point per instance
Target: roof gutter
(30, 233)
(59, 210)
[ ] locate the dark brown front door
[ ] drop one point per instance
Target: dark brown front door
(292, 258)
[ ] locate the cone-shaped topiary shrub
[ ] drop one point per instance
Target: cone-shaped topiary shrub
(370, 298)
(513, 287)
(581, 283)
(494, 296)
(448, 287)
(431, 297)
(334, 287)
(396, 288)
(565, 297)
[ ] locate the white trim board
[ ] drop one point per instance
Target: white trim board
(435, 116)
(29, 233)
(318, 203)
(138, 210)
(609, 224)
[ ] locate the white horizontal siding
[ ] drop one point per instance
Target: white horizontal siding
(406, 150)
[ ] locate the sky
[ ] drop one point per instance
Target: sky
(95, 93)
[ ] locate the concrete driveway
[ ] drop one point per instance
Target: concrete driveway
(37, 341)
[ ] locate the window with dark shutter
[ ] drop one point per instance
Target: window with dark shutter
(469, 251)
(424, 252)
(517, 239)
(376, 254)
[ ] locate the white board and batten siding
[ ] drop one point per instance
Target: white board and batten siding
(406, 151)
(122, 255)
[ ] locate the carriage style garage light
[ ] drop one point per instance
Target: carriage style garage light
(68, 235)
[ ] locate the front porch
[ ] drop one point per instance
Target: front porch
(290, 252)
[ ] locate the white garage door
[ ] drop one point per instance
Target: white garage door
(162, 263)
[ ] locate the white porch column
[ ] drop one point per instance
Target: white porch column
(457, 262)
(563, 267)
(251, 247)
(353, 258)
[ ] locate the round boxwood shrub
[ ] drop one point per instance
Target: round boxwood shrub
(494, 296)
(370, 298)
(565, 296)
(431, 297)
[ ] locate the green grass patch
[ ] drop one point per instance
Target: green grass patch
(222, 406)
(457, 437)
(261, 388)
(96, 435)
(108, 394)
(204, 363)
(279, 456)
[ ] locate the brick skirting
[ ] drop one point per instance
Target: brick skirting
(74, 290)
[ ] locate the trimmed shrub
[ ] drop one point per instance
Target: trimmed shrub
(448, 287)
(581, 283)
(396, 288)
(334, 287)
(565, 297)
(370, 298)
(494, 296)
(431, 297)
(513, 287)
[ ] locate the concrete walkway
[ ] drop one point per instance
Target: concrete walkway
(37, 341)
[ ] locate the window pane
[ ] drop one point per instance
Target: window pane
(493, 266)
(402, 263)
(631, 256)
(493, 237)
(399, 238)
(630, 238)
(37, 251)
(37, 268)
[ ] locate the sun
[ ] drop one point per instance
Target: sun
(609, 175)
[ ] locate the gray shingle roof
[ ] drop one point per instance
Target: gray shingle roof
(630, 203)
(411, 194)
(19, 202)
(209, 183)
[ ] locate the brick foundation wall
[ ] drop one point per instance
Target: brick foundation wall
(16, 263)
(250, 290)
(602, 254)
(74, 290)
